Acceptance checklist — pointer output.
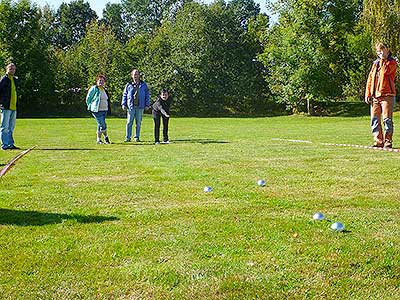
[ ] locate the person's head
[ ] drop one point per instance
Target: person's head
(164, 94)
(100, 80)
(10, 69)
(135, 74)
(382, 50)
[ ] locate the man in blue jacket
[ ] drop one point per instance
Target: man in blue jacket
(8, 107)
(135, 99)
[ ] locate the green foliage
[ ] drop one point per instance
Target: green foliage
(306, 53)
(382, 20)
(113, 17)
(145, 16)
(207, 60)
(23, 42)
(70, 22)
(99, 52)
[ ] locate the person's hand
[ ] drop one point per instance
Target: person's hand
(123, 107)
(167, 115)
(147, 108)
(367, 100)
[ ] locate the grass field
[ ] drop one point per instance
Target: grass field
(131, 221)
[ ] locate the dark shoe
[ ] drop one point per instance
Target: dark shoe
(107, 140)
(13, 147)
(388, 145)
(137, 140)
(377, 145)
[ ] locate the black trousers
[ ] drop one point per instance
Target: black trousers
(157, 122)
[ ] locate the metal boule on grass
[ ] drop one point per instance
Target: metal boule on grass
(337, 226)
(318, 216)
(207, 189)
(261, 182)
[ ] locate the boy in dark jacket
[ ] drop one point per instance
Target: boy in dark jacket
(161, 110)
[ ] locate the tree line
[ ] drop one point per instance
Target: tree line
(218, 59)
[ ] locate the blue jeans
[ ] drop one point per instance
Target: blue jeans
(100, 117)
(8, 120)
(137, 114)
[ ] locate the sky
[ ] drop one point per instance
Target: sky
(99, 5)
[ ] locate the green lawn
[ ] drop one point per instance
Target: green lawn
(131, 221)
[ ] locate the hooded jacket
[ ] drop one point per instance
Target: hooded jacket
(5, 91)
(381, 78)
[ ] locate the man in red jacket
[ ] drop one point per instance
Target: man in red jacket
(380, 93)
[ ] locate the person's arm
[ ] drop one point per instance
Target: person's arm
(108, 102)
(125, 97)
(163, 112)
(389, 67)
(368, 95)
(89, 96)
(2, 82)
(147, 97)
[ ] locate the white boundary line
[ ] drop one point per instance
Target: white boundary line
(340, 145)
(11, 162)
(292, 141)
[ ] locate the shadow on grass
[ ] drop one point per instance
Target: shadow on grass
(147, 143)
(35, 218)
(63, 149)
(200, 141)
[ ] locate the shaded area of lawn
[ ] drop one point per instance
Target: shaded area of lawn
(35, 218)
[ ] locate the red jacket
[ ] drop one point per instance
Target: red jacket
(382, 84)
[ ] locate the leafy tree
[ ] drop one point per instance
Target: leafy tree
(113, 16)
(23, 42)
(99, 52)
(244, 11)
(306, 54)
(382, 20)
(207, 59)
(145, 16)
(70, 22)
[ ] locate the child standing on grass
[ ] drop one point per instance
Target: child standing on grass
(98, 102)
(380, 94)
(161, 110)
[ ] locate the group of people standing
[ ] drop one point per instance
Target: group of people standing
(135, 99)
(380, 93)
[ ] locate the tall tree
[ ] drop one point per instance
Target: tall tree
(114, 17)
(23, 42)
(70, 22)
(244, 11)
(208, 60)
(306, 54)
(144, 16)
(382, 19)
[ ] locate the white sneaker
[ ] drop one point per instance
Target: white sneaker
(137, 140)
(99, 142)
(165, 142)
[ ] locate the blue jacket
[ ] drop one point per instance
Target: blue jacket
(93, 99)
(5, 91)
(144, 95)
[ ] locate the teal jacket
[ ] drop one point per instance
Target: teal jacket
(93, 99)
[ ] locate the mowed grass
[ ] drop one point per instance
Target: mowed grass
(131, 221)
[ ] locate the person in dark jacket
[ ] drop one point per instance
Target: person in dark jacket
(8, 107)
(161, 110)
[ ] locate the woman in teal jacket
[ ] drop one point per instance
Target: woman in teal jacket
(98, 102)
